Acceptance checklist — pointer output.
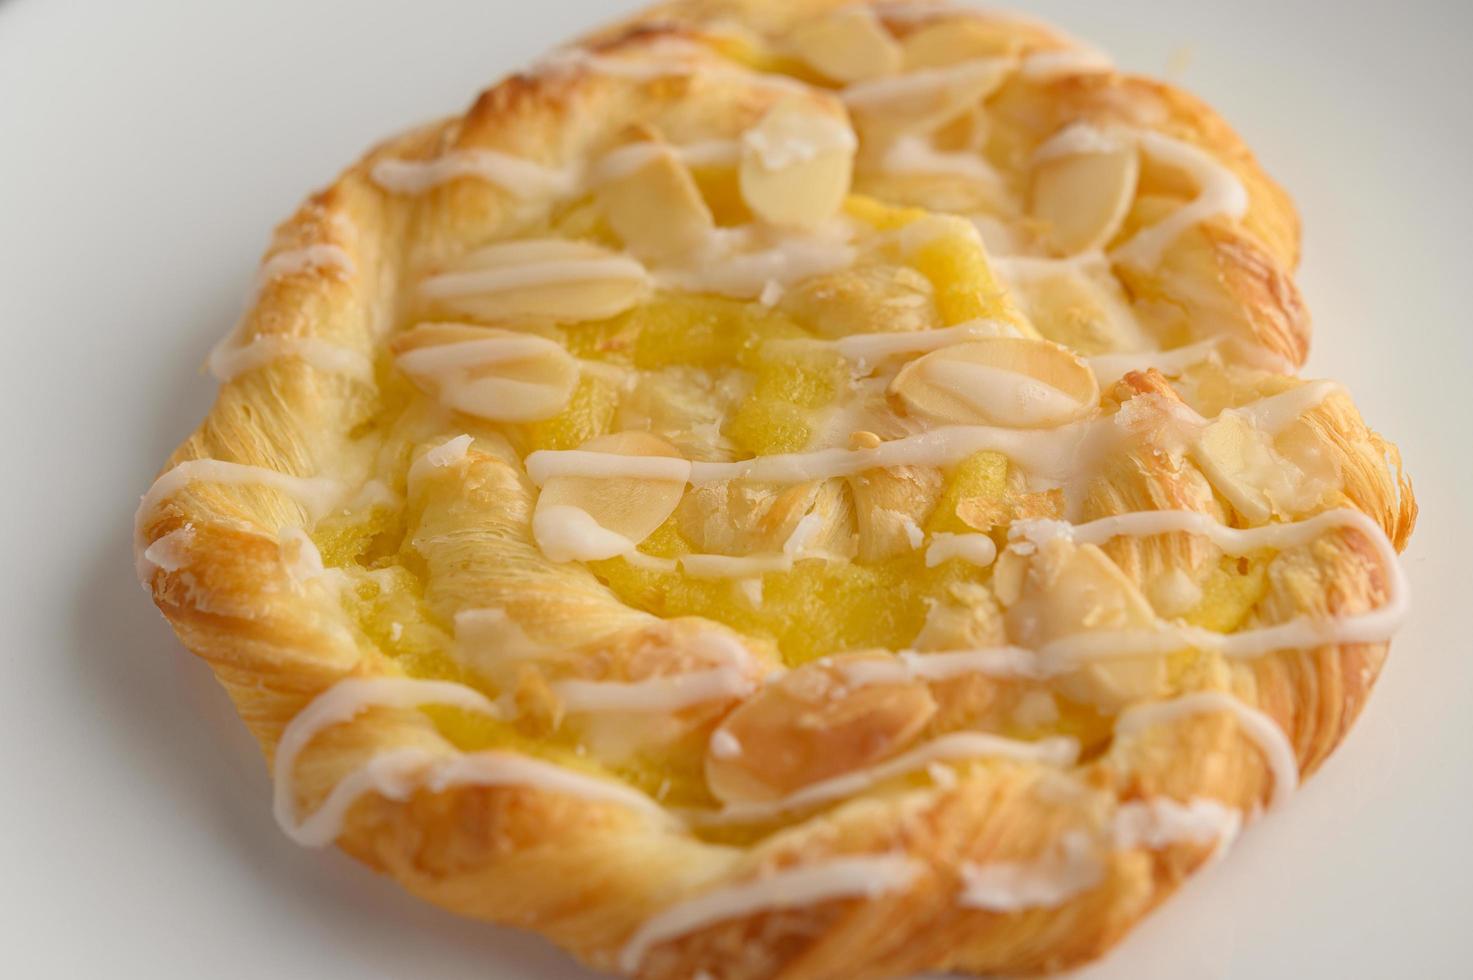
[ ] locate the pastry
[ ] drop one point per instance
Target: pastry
(789, 489)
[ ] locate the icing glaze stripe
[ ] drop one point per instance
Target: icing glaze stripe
(317, 495)
(655, 694)
(956, 747)
(833, 880)
(517, 176)
(1278, 753)
(228, 362)
(397, 774)
(1220, 193)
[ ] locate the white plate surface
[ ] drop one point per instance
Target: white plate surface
(147, 149)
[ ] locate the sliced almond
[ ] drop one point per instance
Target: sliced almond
(1005, 381)
(847, 46)
(589, 518)
(1262, 475)
(653, 204)
(797, 164)
(1238, 460)
(1081, 199)
(864, 299)
(493, 374)
(1065, 590)
(952, 42)
(809, 726)
(550, 279)
(890, 506)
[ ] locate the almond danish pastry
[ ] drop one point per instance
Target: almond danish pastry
(789, 488)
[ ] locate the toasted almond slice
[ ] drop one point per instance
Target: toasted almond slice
(494, 374)
(864, 299)
(809, 726)
(1238, 460)
(1066, 590)
(587, 518)
(797, 163)
(1006, 381)
(541, 279)
(1263, 476)
(954, 41)
(846, 46)
(656, 207)
(889, 506)
(1082, 198)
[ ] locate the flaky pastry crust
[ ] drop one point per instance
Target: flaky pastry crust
(1020, 862)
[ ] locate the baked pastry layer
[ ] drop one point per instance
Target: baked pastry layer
(791, 489)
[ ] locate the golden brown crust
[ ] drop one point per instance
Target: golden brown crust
(587, 874)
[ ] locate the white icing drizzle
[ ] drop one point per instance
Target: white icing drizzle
(1277, 412)
(1079, 863)
(1013, 886)
(1029, 268)
(1043, 66)
(1071, 652)
(876, 94)
(665, 57)
(656, 694)
(1001, 394)
(317, 495)
(956, 747)
(309, 258)
(977, 549)
(748, 568)
(1110, 368)
(1160, 822)
(1277, 751)
(374, 493)
(463, 383)
(779, 150)
(910, 665)
(915, 154)
(566, 533)
(1048, 454)
(397, 774)
(343, 702)
(517, 176)
(1081, 138)
(748, 261)
(228, 362)
(452, 452)
(734, 566)
(170, 552)
(552, 272)
(1373, 626)
(229, 359)
(1220, 193)
(724, 745)
(866, 350)
(304, 564)
(835, 879)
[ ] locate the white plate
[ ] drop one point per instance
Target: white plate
(146, 150)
